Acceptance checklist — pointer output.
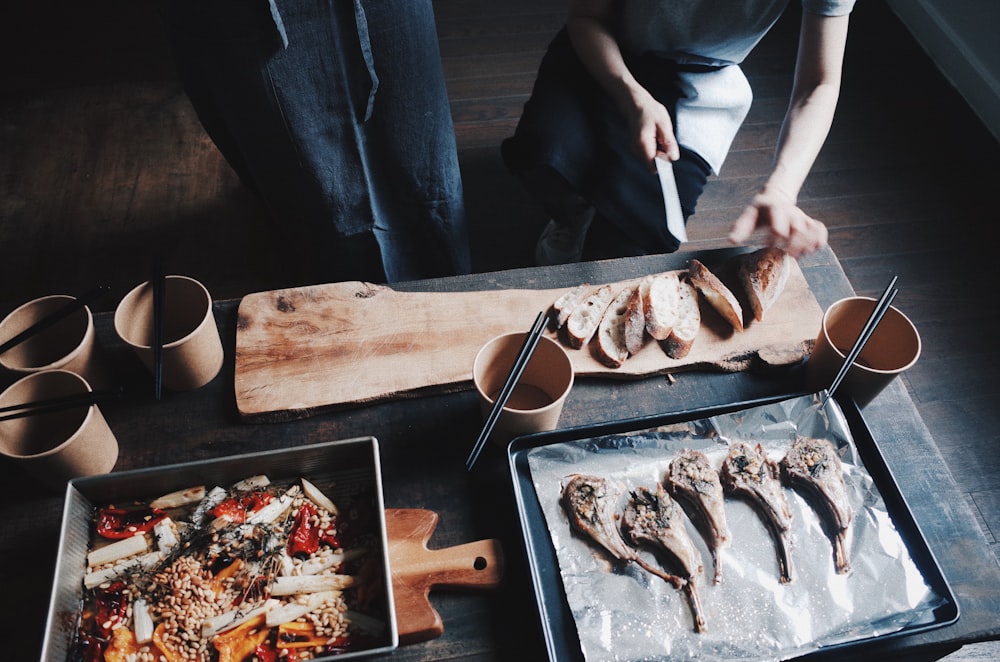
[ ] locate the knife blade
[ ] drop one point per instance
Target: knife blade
(671, 200)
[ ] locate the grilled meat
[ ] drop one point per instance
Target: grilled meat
(656, 520)
(814, 466)
(590, 503)
(693, 481)
(748, 472)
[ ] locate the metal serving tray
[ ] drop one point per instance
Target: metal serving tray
(351, 466)
(557, 621)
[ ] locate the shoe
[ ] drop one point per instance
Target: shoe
(562, 243)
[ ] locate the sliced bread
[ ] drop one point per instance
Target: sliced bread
(660, 304)
(567, 303)
(717, 294)
(763, 275)
(586, 317)
(635, 317)
(687, 323)
(610, 348)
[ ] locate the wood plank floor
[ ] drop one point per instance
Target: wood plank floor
(103, 162)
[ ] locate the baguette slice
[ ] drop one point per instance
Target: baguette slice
(568, 301)
(586, 317)
(718, 295)
(763, 275)
(660, 304)
(688, 324)
(610, 348)
(635, 317)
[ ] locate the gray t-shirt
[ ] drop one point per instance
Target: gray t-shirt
(713, 33)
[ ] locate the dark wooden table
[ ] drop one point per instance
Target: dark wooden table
(424, 442)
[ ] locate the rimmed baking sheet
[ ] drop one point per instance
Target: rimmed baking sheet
(895, 586)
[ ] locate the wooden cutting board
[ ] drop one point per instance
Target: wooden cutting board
(416, 570)
(302, 350)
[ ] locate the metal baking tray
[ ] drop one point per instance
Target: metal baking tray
(351, 467)
(557, 621)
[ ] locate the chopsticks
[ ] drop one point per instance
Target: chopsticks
(881, 306)
(158, 296)
(523, 356)
(49, 405)
(56, 315)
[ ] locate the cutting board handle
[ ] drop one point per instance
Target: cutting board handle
(417, 569)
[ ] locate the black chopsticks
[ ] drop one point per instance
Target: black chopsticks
(158, 296)
(523, 356)
(57, 315)
(49, 405)
(878, 312)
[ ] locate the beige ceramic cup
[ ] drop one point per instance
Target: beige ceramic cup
(537, 401)
(69, 344)
(59, 445)
(192, 347)
(892, 348)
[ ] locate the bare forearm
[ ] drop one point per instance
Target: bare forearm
(814, 100)
(647, 119)
(803, 132)
(600, 54)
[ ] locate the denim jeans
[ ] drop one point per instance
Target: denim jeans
(335, 112)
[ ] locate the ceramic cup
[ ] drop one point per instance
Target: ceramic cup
(192, 347)
(537, 400)
(58, 445)
(69, 344)
(892, 348)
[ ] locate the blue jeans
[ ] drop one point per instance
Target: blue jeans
(335, 112)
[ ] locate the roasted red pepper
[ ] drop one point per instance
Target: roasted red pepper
(304, 537)
(111, 609)
(266, 653)
(119, 523)
(236, 509)
(87, 649)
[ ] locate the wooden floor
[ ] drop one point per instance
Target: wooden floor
(103, 162)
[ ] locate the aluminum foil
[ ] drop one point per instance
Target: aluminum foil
(625, 613)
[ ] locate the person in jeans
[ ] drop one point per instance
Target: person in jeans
(626, 80)
(336, 114)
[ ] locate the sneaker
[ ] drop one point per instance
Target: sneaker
(562, 243)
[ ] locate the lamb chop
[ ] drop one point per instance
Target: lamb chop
(590, 503)
(814, 466)
(656, 520)
(693, 481)
(748, 472)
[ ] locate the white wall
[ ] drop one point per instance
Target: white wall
(963, 39)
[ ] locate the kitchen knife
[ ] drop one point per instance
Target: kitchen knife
(671, 201)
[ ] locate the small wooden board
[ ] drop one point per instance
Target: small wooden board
(416, 570)
(303, 350)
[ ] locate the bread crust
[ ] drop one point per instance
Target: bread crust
(564, 306)
(635, 317)
(687, 323)
(763, 274)
(585, 318)
(717, 294)
(660, 305)
(610, 348)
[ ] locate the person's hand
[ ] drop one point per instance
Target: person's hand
(652, 130)
(789, 227)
